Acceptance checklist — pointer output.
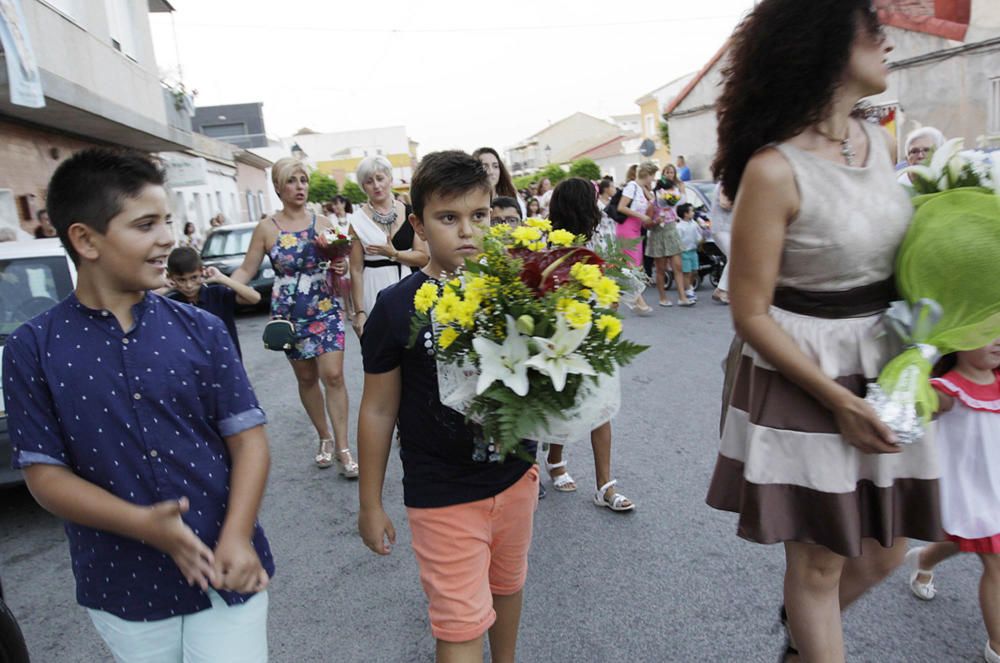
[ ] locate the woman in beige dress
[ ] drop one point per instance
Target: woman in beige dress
(817, 221)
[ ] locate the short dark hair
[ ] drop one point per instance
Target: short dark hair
(446, 173)
(683, 209)
(183, 260)
(574, 207)
(503, 202)
(345, 201)
(89, 187)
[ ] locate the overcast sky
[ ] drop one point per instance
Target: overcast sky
(457, 73)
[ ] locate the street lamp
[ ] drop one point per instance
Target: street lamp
(548, 154)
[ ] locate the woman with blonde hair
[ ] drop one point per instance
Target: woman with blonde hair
(301, 295)
(385, 249)
(634, 204)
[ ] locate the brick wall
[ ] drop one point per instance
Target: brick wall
(26, 161)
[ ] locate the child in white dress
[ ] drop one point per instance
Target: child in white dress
(968, 437)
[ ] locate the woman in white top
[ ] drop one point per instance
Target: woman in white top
(386, 248)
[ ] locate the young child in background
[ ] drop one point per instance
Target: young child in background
(691, 238)
(134, 421)
(968, 438)
(470, 520)
(505, 210)
(208, 289)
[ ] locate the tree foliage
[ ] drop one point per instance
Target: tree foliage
(665, 131)
(585, 168)
(322, 187)
(354, 192)
(554, 172)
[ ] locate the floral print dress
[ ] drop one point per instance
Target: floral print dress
(301, 294)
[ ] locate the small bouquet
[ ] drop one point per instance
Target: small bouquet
(335, 244)
(527, 338)
(948, 272)
(667, 198)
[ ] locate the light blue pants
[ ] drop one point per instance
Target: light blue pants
(221, 634)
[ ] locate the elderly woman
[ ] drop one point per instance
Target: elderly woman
(386, 249)
(919, 144)
(301, 295)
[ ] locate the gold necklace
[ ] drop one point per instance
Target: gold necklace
(846, 149)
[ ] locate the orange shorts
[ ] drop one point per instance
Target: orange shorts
(468, 552)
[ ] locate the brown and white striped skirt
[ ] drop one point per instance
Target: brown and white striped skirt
(783, 466)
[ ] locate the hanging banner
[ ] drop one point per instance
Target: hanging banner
(23, 76)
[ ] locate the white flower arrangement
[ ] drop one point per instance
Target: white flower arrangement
(952, 167)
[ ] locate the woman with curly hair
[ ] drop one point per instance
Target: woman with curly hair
(574, 208)
(804, 460)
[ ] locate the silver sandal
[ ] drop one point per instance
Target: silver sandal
(347, 467)
(324, 456)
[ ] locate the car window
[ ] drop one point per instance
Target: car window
(30, 286)
(227, 243)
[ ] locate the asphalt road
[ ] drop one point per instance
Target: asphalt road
(670, 582)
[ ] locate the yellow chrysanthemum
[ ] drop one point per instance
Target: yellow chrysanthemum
(540, 224)
(324, 305)
(561, 237)
(610, 325)
(577, 313)
(608, 292)
(446, 310)
(465, 313)
(425, 297)
(447, 337)
(525, 236)
(537, 246)
(455, 283)
(588, 275)
(287, 241)
(476, 290)
(499, 230)
(585, 294)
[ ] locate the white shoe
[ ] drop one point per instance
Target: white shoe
(989, 655)
(922, 590)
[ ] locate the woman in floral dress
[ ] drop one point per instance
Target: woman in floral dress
(302, 296)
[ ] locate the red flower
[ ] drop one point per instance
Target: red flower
(317, 327)
(333, 249)
(544, 271)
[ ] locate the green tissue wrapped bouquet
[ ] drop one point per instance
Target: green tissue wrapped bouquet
(948, 273)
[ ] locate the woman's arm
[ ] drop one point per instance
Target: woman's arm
(767, 201)
(417, 256)
(260, 242)
(623, 207)
(357, 267)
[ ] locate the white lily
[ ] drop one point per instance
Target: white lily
(506, 362)
(941, 164)
(557, 357)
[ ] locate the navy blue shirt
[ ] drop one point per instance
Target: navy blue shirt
(436, 445)
(143, 415)
(218, 300)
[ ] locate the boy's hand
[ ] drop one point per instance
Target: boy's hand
(238, 568)
(375, 527)
(168, 533)
(213, 275)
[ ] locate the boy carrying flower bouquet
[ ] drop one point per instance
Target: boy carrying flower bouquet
(470, 518)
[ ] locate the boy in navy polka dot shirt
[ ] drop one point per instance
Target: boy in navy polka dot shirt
(133, 420)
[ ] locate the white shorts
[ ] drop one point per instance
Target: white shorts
(221, 634)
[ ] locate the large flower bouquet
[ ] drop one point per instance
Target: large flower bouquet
(948, 272)
(528, 338)
(335, 244)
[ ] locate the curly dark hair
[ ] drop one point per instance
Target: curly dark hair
(574, 207)
(784, 64)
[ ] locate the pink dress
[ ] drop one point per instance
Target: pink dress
(632, 227)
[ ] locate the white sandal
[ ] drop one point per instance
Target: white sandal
(324, 456)
(924, 591)
(618, 501)
(561, 482)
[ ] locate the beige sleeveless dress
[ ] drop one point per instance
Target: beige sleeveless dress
(782, 463)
